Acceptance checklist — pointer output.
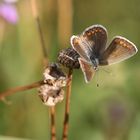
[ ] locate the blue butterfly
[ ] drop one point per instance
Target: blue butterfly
(91, 46)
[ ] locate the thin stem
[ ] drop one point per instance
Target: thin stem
(67, 106)
(41, 38)
(37, 19)
(53, 129)
(21, 88)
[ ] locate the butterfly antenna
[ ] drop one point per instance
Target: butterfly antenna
(36, 17)
(107, 71)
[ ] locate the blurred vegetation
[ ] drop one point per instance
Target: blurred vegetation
(110, 111)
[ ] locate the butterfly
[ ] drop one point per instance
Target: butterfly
(91, 46)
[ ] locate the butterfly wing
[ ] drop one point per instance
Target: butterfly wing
(119, 49)
(87, 69)
(78, 44)
(98, 35)
(91, 42)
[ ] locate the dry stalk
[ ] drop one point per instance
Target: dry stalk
(67, 106)
(37, 19)
(21, 88)
(53, 129)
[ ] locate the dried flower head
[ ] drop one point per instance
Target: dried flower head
(52, 92)
(51, 95)
(69, 58)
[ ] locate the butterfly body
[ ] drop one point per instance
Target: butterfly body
(91, 46)
(94, 61)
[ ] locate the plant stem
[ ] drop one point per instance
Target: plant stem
(53, 129)
(67, 106)
(21, 88)
(37, 19)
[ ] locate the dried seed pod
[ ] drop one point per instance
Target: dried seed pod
(51, 95)
(69, 58)
(52, 92)
(53, 72)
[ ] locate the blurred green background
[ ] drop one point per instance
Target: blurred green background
(108, 112)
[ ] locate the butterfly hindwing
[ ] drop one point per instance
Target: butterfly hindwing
(119, 49)
(87, 69)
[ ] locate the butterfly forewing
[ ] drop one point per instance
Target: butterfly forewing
(119, 49)
(98, 35)
(91, 42)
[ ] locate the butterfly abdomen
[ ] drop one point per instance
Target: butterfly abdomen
(69, 58)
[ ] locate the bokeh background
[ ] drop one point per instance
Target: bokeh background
(108, 112)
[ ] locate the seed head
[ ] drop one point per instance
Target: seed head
(69, 58)
(52, 92)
